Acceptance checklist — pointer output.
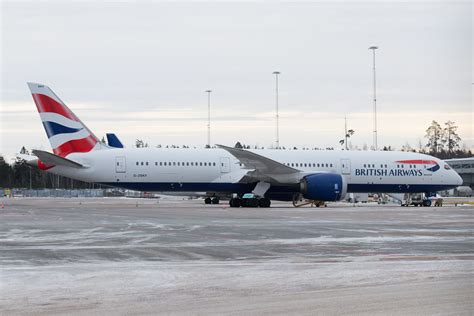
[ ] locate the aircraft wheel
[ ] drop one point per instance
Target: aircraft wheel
(427, 203)
(264, 202)
(235, 202)
(252, 202)
(207, 200)
(215, 200)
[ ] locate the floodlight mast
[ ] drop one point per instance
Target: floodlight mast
(208, 118)
(276, 73)
(375, 145)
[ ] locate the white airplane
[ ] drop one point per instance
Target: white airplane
(287, 175)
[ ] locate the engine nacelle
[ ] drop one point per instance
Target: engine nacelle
(323, 187)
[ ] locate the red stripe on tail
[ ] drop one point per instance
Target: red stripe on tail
(82, 145)
(47, 104)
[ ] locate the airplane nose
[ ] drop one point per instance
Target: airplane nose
(457, 179)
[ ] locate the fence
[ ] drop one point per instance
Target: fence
(82, 193)
(58, 193)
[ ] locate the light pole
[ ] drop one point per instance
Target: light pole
(373, 48)
(276, 73)
(208, 118)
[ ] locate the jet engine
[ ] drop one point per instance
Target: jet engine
(323, 187)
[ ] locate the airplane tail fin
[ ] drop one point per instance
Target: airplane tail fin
(66, 133)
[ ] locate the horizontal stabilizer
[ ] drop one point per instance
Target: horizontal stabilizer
(55, 160)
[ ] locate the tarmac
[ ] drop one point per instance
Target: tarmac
(114, 256)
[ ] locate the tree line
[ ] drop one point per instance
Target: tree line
(21, 175)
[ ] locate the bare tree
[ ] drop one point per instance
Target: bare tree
(347, 135)
(139, 143)
(434, 134)
(450, 137)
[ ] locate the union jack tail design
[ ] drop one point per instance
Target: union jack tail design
(66, 133)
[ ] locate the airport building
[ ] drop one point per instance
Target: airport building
(465, 168)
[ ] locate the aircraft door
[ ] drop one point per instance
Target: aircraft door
(120, 165)
(225, 164)
(346, 166)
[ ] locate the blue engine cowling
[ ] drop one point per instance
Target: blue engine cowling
(323, 187)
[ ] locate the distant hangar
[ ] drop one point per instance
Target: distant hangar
(465, 168)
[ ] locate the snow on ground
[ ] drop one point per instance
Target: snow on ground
(119, 257)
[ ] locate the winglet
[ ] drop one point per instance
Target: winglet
(113, 141)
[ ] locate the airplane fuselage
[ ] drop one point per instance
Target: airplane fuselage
(216, 170)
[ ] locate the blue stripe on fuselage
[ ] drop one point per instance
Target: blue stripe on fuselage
(53, 128)
(275, 192)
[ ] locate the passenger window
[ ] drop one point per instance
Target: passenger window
(178, 163)
(205, 164)
(141, 163)
(161, 163)
(330, 165)
(187, 164)
(214, 164)
(200, 163)
(146, 163)
(137, 163)
(318, 165)
(326, 165)
(174, 163)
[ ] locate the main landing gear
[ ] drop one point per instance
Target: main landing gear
(249, 202)
(255, 199)
(211, 200)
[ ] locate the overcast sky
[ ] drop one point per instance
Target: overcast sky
(140, 69)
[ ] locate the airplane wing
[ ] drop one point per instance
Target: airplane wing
(54, 160)
(259, 163)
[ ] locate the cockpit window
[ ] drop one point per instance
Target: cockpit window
(447, 167)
